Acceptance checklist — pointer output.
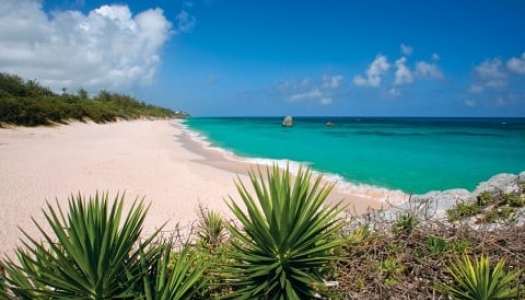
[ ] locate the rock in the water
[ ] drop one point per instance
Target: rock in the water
(288, 121)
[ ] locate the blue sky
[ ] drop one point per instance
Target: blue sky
(275, 58)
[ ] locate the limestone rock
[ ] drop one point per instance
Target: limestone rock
(288, 121)
(505, 183)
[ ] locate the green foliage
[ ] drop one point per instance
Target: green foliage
(436, 244)
(405, 223)
(212, 228)
(476, 280)
(93, 254)
(287, 236)
(359, 235)
(462, 211)
(485, 198)
(391, 268)
(172, 276)
(513, 200)
(27, 103)
(217, 258)
(96, 253)
(500, 213)
(460, 246)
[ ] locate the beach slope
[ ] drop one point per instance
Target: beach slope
(143, 158)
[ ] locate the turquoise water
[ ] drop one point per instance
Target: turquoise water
(414, 155)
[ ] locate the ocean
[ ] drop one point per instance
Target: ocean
(412, 155)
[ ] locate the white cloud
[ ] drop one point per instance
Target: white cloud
(403, 74)
(394, 92)
(435, 57)
(517, 64)
(322, 97)
(325, 101)
(315, 93)
(305, 82)
(426, 70)
(186, 22)
(470, 103)
(475, 88)
(406, 50)
(107, 48)
(491, 73)
(374, 73)
(332, 82)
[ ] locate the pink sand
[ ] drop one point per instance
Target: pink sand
(151, 159)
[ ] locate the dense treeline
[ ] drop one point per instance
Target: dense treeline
(28, 103)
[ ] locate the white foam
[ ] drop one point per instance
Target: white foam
(372, 192)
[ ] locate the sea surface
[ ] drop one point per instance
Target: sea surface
(412, 155)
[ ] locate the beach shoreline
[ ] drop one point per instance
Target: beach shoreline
(154, 159)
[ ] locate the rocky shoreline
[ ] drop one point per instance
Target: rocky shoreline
(437, 206)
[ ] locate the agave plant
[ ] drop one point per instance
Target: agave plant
(286, 236)
(475, 280)
(93, 254)
(166, 280)
(212, 228)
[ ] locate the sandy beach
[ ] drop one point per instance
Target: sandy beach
(151, 159)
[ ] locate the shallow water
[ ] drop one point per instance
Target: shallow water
(414, 155)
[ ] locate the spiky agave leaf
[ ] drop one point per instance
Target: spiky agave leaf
(286, 237)
(475, 280)
(93, 252)
(177, 282)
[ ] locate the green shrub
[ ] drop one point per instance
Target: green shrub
(462, 211)
(95, 252)
(474, 279)
(436, 244)
(513, 200)
(287, 236)
(212, 229)
(485, 198)
(405, 223)
(500, 213)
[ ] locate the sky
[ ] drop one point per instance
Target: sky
(463, 58)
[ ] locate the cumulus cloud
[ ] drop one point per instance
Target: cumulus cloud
(403, 74)
(332, 82)
(108, 47)
(394, 92)
(491, 73)
(186, 22)
(517, 64)
(406, 50)
(305, 90)
(428, 70)
(374, 73)
(312, 94)
(476, 88)
(470, 102)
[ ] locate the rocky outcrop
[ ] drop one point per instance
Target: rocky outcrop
(433, 206)
(288, 121)
(501, 183)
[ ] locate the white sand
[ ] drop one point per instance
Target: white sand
(153, 159)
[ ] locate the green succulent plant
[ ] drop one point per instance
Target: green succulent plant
(287, 235)
(96, 251)
(475, 280)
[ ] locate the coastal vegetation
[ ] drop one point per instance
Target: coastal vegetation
(285, 243)
(27, 103)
